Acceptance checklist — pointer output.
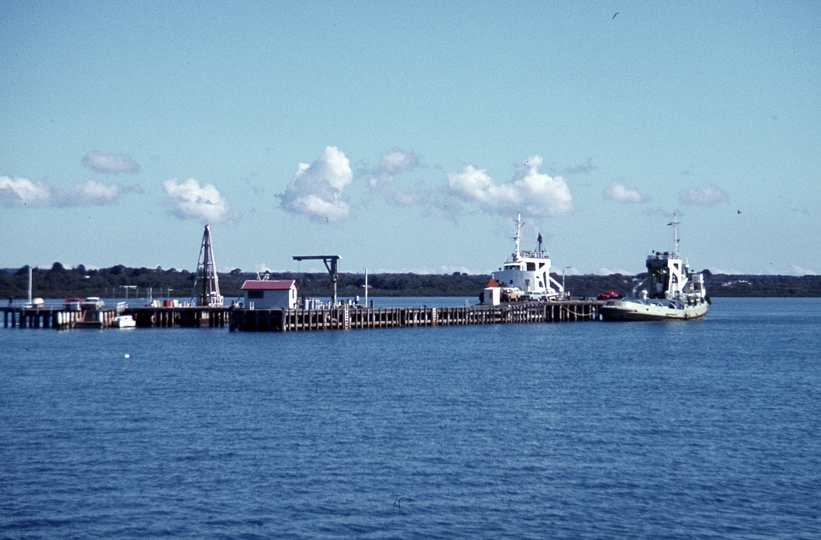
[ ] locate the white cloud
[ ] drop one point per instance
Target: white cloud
(603, 271)
(390, 164)
(726, 271)
(316, 190)
(703, 196)
(110, 163)
(93, 192)
(189, 199)
(618, 192)
(262, 268)
(530, 192)
(801, 271)
(461, 269)
(23, 192)
(398, 161)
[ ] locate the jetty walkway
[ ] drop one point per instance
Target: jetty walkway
(343, 317)
(65, 319)
(352, 317)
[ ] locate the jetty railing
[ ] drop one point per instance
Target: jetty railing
(343, 317)
(353, 317)
(57, 317)
(62, 318)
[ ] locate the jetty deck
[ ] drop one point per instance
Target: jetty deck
(64, 319)
(343, 317)
(352, 317)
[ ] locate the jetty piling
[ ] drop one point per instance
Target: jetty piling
(356, 317)
(342, 317)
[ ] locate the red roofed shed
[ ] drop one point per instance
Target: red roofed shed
(270, 293)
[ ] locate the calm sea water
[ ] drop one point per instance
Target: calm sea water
(692, 429)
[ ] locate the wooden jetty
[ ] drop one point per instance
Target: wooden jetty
(61, 318)
(344, 317)
(186, 316)
(351, 317)
(56, 317)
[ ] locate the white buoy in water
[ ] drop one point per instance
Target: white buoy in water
(127, 355)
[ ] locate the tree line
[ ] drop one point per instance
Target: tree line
(60, 282)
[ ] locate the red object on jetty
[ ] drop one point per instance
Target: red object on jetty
(609, 294)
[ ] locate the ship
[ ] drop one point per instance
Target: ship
(526, 274)
(670, 290)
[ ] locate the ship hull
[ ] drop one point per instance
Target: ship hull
(630, 310)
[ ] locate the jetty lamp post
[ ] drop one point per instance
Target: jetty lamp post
(366, 287)
(564, 291)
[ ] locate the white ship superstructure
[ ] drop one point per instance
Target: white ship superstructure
(670, 291)
(526, 274)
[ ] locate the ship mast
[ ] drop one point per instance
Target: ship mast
(519, 224)
(207, 273)
(675, 223)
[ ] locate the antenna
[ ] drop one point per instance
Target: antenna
(675, 223)
(519, 224)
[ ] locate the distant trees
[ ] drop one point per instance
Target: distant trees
(58, 282)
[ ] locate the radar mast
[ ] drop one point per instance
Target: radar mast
(675, 223)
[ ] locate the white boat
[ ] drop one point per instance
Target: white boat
(526, 274)
(124, 321)
(670, 291)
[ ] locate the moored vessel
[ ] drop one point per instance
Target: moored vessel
(526, 274)
(670, 290)
(124, 321)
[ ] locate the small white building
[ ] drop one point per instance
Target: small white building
(267, 294)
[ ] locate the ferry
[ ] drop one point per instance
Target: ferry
(670, 291)
(526, 274)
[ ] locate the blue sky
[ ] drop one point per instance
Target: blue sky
(406, 137)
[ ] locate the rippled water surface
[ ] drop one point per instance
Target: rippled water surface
(709, 428)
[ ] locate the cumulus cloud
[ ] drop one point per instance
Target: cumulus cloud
(316, 190)
(530, 191)
(407, 196)
(189, 199)
(604, 271)
(93, 192)
(618, 192)
(110, 163)
(703, 196)
(23, 192)
(801, 271)
(725, 271)
(382, 179)
(262, 268)
(390, 164)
